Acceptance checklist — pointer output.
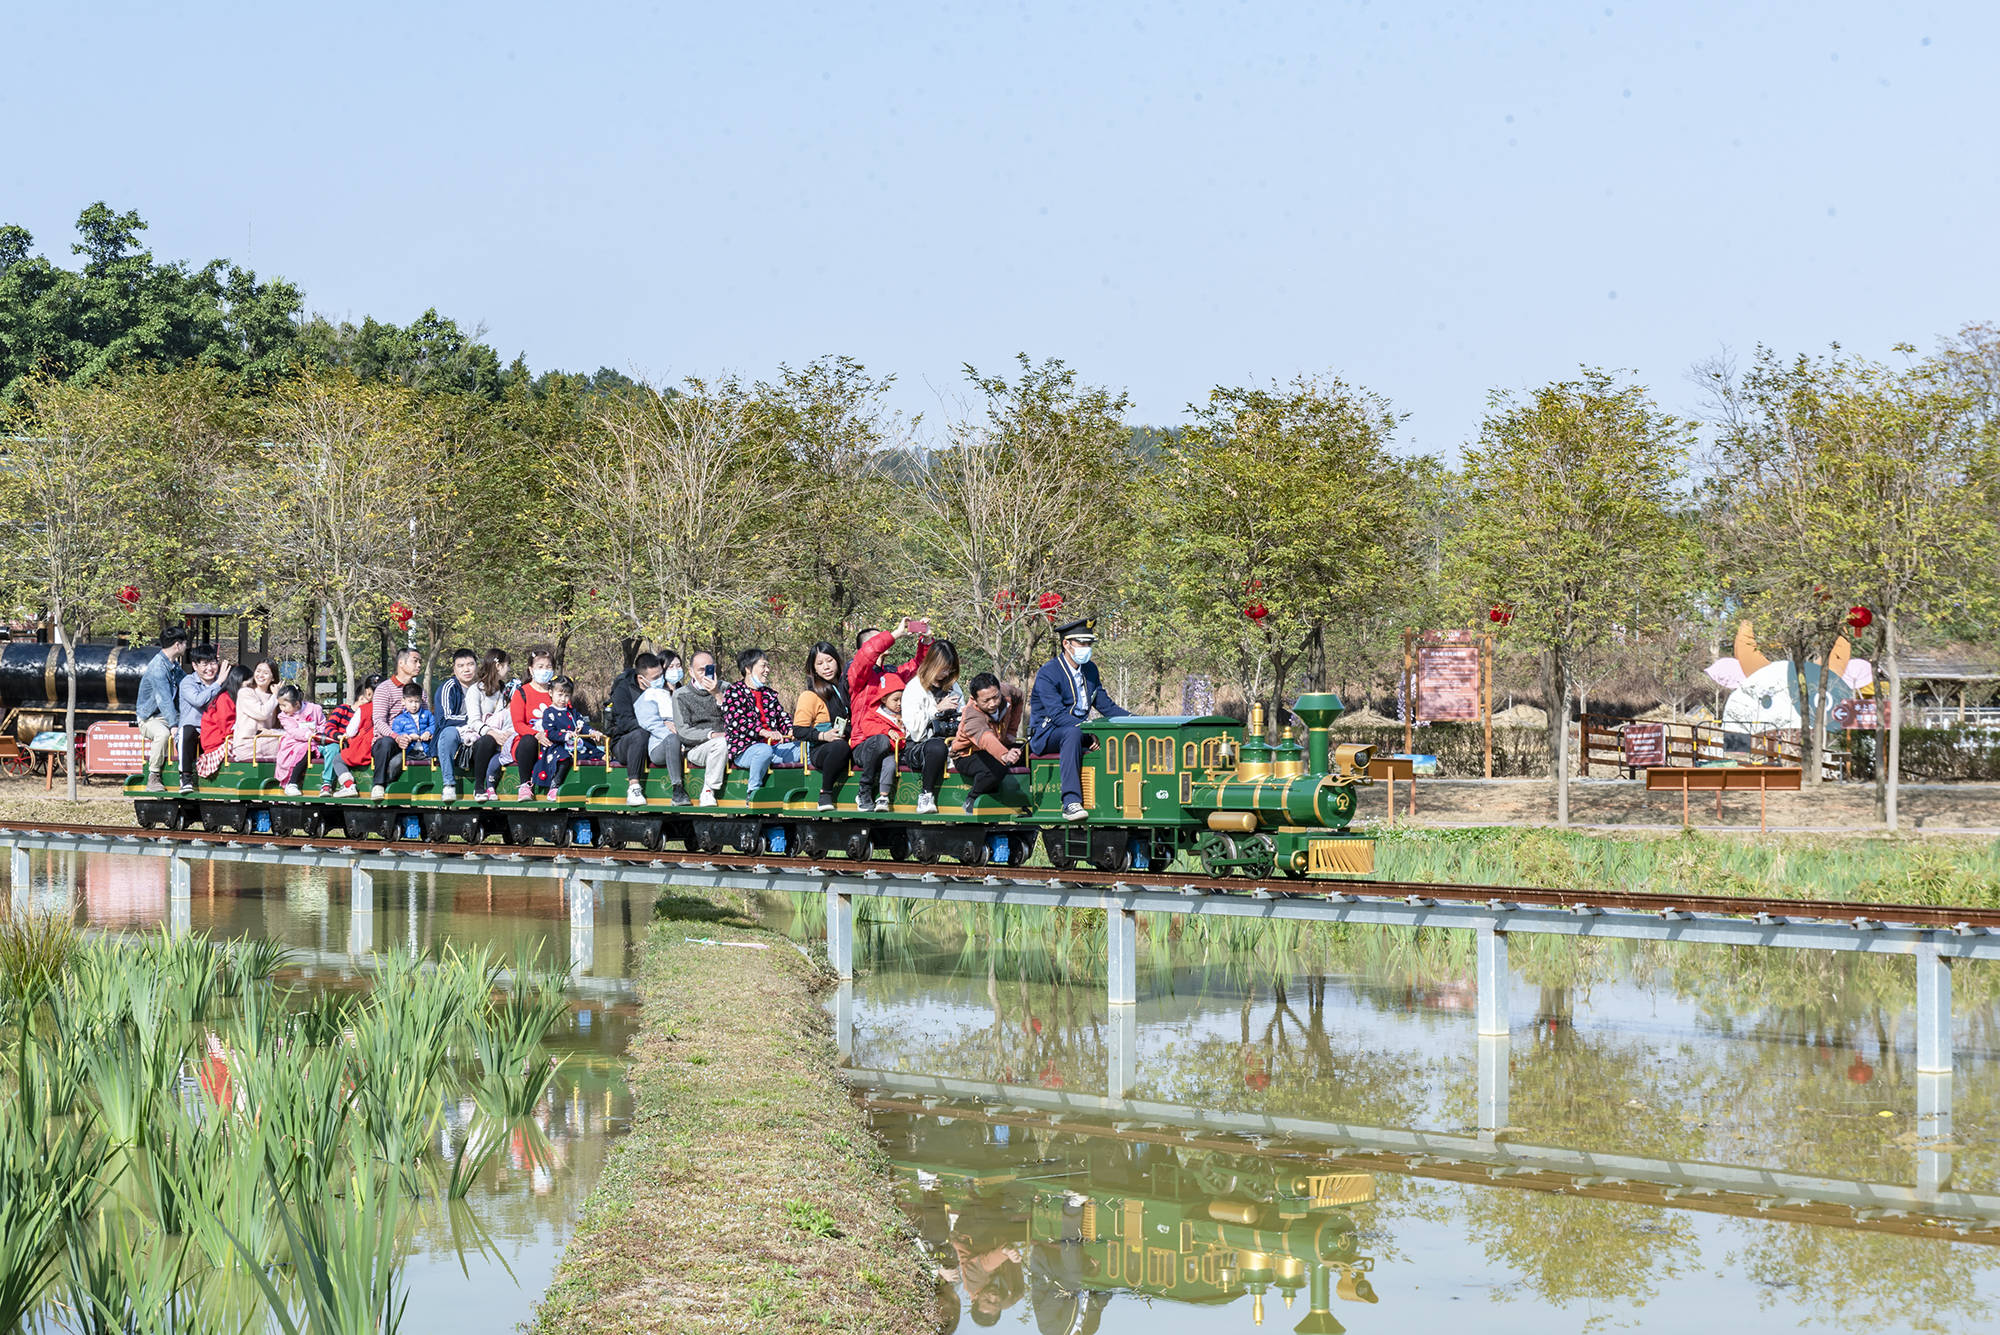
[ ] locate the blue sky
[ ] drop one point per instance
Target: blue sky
(1431, 200)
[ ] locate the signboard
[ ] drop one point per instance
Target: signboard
(1644, 745)
(1448, 682)
(1857, 714)
(113, 748)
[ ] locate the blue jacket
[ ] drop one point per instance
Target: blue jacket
(1054, 703)
(451, 698)
(160, 691)
(407, 724)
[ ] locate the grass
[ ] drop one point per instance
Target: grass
(749, 1194)
(184, 1148)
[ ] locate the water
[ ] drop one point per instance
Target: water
(528, 1199)
(1671, 1138)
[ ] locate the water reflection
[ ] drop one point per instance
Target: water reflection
(529, 1194)
(1668, 1137)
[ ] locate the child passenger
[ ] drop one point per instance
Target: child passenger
(416, 724)
(303, 723)
(875, 758)
(562, 729)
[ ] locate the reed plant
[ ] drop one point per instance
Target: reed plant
(187, 1145)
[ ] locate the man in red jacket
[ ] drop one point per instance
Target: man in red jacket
(869, 682)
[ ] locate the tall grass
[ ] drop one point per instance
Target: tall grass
(187, 1146)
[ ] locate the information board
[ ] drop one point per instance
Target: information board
(1447, 683)
(113, 748)
(1644, 744)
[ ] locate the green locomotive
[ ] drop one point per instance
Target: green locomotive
(1155, 787)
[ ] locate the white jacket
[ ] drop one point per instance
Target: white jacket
(483, 712)
(921, 708)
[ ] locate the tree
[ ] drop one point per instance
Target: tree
(1030, 498)
(75, 494)
(674, 509)
(1910, 484)
(1572, 520)
(1281, 521)
(324, 510)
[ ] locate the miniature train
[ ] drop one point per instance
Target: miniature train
(1154, 787)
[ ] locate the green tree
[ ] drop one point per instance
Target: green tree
(1028, 497)
(1282, 524)
(1573, 520)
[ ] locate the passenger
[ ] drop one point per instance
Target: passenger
(490, 723)
(159, 711)
(875, 757)
(455, 731)
(415, 725)
(869, 681)
(387, 752)
(303, 723)
(257, 734)
(359, 748)
(822, 718)
(1066, 690)
(984, 747)
(530, 699)
(655, 713)
(336, 726)
(932, 706)
(218, 724)
(759, 729)
(698, 719)
(196, 690)
(563, 727)
(636, 732)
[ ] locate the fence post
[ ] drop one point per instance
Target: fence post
(1493, 1081)
(840, 933)
(1492, 980)
(1933, 1010)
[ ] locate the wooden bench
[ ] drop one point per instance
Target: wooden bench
(1724, 778)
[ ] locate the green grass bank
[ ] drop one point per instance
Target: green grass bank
(749, 1195)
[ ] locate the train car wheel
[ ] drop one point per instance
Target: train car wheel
(1055, 843)
(856, 845)
(921, 846)
(1020, 847)
(896, 843)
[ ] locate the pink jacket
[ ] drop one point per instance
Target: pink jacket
(299, 729)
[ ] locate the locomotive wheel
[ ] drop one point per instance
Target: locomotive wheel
(1217, 851)
(1055, 844)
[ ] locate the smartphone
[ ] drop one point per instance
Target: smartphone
(920, 627)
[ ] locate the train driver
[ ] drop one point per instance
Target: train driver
(1066, 691)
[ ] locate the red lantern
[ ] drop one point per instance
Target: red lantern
(1252, 585)
(129, 595)
(777, 605)
(1860, 618)
(402, 614)
(1257, 1080)
(1257, 612)
(1008, 602)
(1049, 602)
(1049, 1078)
(1859, 1071)
(1499, 616)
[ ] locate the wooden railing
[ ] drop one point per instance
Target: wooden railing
(1687, 745)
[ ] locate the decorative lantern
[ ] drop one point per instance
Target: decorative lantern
(129, 595)
(1257, 612)
(777, 605)
(1860, 618)
(1008, 602)
(402, 614)
(1499, 615)
(1049, 602)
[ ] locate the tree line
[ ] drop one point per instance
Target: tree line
(190, 434)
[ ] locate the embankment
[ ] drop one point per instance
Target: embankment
(749, 1194)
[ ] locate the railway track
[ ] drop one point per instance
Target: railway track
(1511, 896)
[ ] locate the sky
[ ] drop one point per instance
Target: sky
(1432, 201)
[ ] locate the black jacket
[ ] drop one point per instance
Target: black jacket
(621, 716)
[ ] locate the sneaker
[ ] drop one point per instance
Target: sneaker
(186, 787)
(635, 794)
(1074, 811)
(450, 793)
(348, 789)
(926, 804)
(554, 794)
(525, 793)
(679, 796)
(153, 784)
(377, 793)
(863, 802)
(487, 796)
(826, 803)
(884, 804)
(969, 804)
(292, 790)
(326, 790)
(707, 797)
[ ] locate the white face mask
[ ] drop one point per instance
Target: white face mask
(1081, 654)
(543, 676)
(674, 675)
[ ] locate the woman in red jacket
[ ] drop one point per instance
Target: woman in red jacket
(526, 710)
(218, 723)
(869, 683)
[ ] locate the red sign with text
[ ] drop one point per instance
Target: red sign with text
(113, 748)
(1447, 683)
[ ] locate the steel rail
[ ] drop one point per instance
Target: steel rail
(572, 860)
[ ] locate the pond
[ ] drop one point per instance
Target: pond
(527, 1198)
(1671, 1138)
